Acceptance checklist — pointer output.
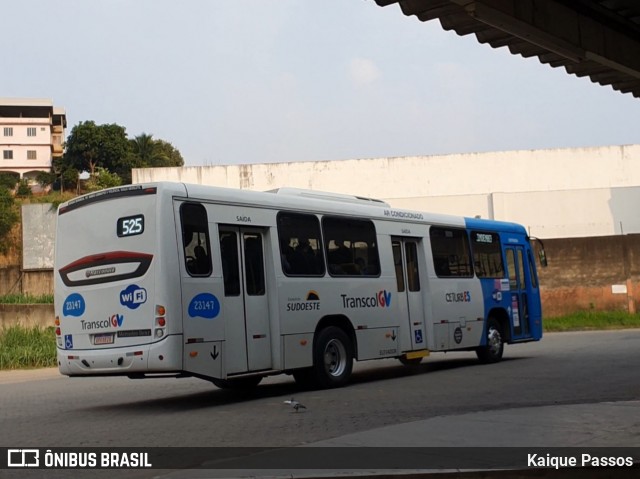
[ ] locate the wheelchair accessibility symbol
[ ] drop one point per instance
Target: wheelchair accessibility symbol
(68, 341)
(418, 335)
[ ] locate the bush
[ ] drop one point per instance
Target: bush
(102, 179)
(24, 189)
(8, 216)
(9, 180)
(45, 178)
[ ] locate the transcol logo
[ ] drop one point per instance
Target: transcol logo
(115, 321)
(382, 299)
(133, 296)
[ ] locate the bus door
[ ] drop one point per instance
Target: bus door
(410, 305)
(518, 286)
(245, 306)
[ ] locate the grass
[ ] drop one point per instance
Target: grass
(22, 348)
(26, 299)
(591, 321)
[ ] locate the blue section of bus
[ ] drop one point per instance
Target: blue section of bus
(511, 234)
(496, 226)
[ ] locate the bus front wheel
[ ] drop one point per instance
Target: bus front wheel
(492, 351)
(332, 358)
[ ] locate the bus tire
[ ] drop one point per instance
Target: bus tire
(493, 350)
(238, 384)
(332, 358)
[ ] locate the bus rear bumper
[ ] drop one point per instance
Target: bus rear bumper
(163, 356)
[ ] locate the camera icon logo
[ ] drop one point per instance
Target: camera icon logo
(23, 458)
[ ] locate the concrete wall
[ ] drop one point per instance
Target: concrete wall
(555, 193)
(591, 274)
(27, 315)
(13, 280)
(38, 236)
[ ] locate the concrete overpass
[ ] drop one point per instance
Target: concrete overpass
(599, 39)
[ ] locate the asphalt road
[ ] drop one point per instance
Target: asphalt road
(47, 410)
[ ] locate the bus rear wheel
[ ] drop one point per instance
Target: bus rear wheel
(332, 358)
(493, 350)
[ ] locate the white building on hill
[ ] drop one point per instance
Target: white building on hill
(32, 133)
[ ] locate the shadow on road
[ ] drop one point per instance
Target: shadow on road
(287, 387)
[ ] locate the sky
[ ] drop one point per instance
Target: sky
(254, 81)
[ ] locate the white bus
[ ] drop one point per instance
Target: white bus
(171, 279)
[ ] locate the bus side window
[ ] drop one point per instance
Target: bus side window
(350, 247)
(487, 254)
(514, 285)
(450, 250)
(195, 239)
(300, 244)
(397, 261)
(413, 277)
(254, 264)
(230, 268)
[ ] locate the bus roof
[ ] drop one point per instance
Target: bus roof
(493, 225)
(294, 199)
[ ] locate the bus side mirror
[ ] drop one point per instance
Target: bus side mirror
(542, 255)
(543, 258)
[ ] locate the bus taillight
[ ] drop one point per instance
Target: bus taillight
(161, 321)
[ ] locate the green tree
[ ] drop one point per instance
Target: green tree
(169, 154)
(24, 190)
(9, 180)
(45, 178)
(8, 216)
(66, 177)
(151, 153)
(69, 180)
(89, 146)
(147, 152)
(143, 147)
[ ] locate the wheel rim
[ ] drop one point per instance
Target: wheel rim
(494, 341)
(335, 358)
